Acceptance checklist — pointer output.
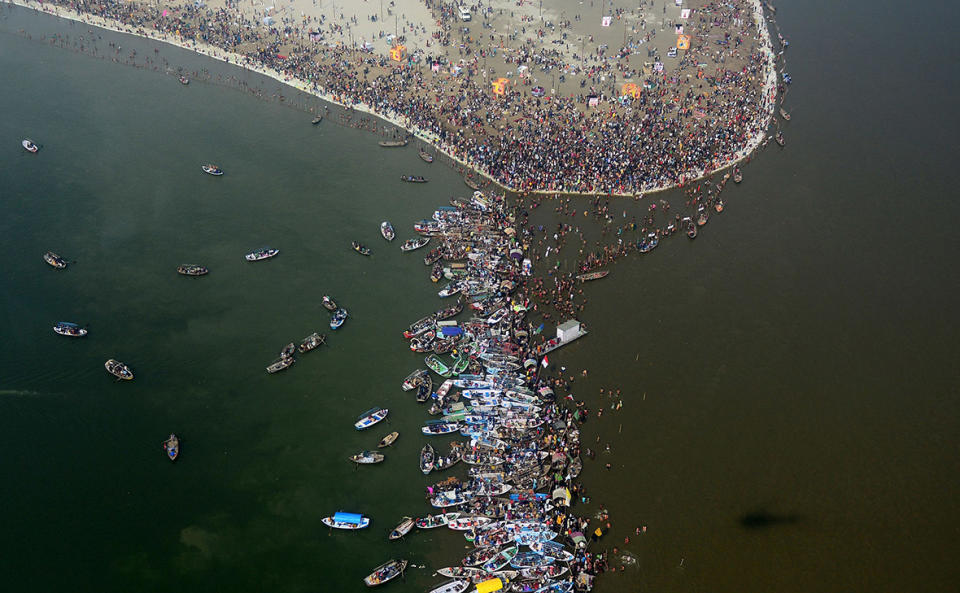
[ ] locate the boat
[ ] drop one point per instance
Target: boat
(413, 379)
(784, 114)
(526, 560)
(718, 205)
(550, 571)
(393, 143)
(412, 244)
(452, 586)
(421, 326)
(192, 270)
(118, 369)
(593, 275)
(500, 560)
(386, 229)
(433, 256)
(317, 120)
(281, 364)
(552, 549)
(435, 427)
(65, 328)
(370, 417)
(424, 388)
(702, 216)
(388, 440)
(312, 341)
(385, 572)
(649, 243)
(691, 228)
(471, 183)
(450, 289)
(433, 521)
(737, 175)
(426, 156)
(360, 248)
(351, 521)
(427, 456)
(262, 253)
(172, 447)
(288, 350)
(451, 311)
(413, 178)
(184, 80)
(436, 365)
(780, 139)
(212, 170)
(437, 272)
(339, 316)
(406, 524)
(54, 260)
(367, 457)
(29, 146)
(467, 522)
(329, 303)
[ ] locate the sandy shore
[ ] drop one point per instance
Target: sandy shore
(413, 20)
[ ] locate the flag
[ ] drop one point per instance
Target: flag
(544, 362)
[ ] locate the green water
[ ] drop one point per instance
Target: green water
(795, 363)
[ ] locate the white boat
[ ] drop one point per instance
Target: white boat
(212, 170)
(65, 328)
(29, 146)
(370, 417)
(406, 524)
(452, 586)
(464, 523)
(262, 253)
(343, 520)
(434, 521)
(386, 229)
(414, 244)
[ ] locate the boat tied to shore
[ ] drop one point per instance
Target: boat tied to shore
(54, 260)
(172, 447)
(261, 254)
(118, 369)
(192, 270)
(65, 328)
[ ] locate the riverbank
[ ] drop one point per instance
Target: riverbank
(464, 150)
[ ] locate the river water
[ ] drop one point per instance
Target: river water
(788, 379)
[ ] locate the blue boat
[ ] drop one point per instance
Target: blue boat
(339, 316)
(343, 520)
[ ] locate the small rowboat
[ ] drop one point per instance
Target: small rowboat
(433, 521)
(780, 139)
(784, 114)
(437, 366)
(402, 529)
(703, 216)
(427, 456)
(65, 328)
(262, 253)
(29, 146)
(386, 229)
(312, 341)
(471, 183)
(412, 244)
(339, 316)
(691, 228)
(329, 303)
(54, 260)
(440, 427)
(118, 369)
(351, 521)
(393, 143)
(370, 417)
(413, 179)
(593, 275)
(317, 120)
(718, 205)
(172, 447)
(281, 364)
(737, 175)
(437, 272)
(212, 170)
(385, 572)
(360, 248)
(288, 350)
(192, 270)
(501, 559)
(367, 457)
(388, 440)
(426, 156)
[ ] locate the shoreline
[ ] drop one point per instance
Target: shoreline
(769, 94)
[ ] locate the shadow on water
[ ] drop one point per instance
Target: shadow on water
(763, 519)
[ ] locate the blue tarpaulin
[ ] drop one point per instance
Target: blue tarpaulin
(348, 518)
(451, 331)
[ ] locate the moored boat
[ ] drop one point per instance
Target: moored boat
(192, 270)
(367, 457)
(386, 229)
(427, 457)
(338, 317)
(118, 369)
(439, 427)
(433, 521)
(29, 146)
(388, 440)
(385, 572)
(593, 275)
(183, 80)
(172, 447)
(436, 365)
(393, 143)
(452, 586)
(426, 156)
(212, 170)
(437, 272)
(737, 175)
(370, 417)
(54, 260)
(412, 244)
(350, 521)
(780, 139)
(406, 524)
(360, 248)
(471, 183)
(784, 114)
(65, 328)
(262, 253)
(312, 341)
(501, 559)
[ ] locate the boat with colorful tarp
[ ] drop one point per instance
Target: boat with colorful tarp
(65, 328)
(350, 521)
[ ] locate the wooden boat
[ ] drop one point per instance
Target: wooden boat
(317, 120)
(427, 456)
(393, 143)
(184, 80)
(118, 369)
(280, 364)
(424, 389)
(426, 156)
(784, 114)
(436, 365)
(435, 427)
(312, 341)
(648, 244)
(449, 499)
(691, 228)
(172, 447)
(434, 521)
(413, 179)
(54, 260)
(593, 275)
(780, 139)
(550, 571)
(467, 522)
(288, 350)
(737, 175)
(433, 256)
(212, 170)
(423, 343)
(452, 586)
(329, 303)
(386, 229)
(29, 146)
(350, 521)
(414, 379)
(360, 248)
(421, 326)
(388, 440)
(406, 524)
(262, 253)
(385, 572)
(437, 272)
(339, 316)
(367, 457)
(527, 560)
(501, 559)
(65, 328)
(718, 205)
(192, 270)
(471, 183)
(553, 550)
(412, 244)
(370, 417)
